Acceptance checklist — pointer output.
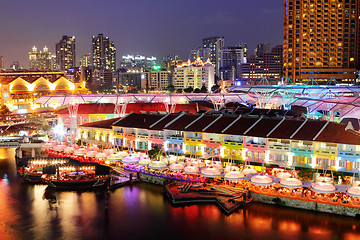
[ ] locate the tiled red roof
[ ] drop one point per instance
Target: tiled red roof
(262, 128)
(240, 126)
(336, 133)
(309, 130)
(182, 122)
(200, 124)
(286, 129)
(102, 124)
(220, 124)
(161, 124)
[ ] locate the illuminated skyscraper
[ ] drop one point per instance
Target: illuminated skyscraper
(85, 61)
(41, 60)
(321, 40)
(103, 53)
(65, 53)
(215, 44)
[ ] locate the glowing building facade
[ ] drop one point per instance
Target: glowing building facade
(42, 60)
(103, 53)
(19, 92)
(65, 53)
(280, 141)
(194, 74)
(321, 40)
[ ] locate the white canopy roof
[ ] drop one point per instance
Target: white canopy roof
(261, 180)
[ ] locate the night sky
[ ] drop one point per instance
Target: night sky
(157, 27)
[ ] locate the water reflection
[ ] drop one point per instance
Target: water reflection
(141, 210)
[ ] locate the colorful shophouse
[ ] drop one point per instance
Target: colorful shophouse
(281, 141)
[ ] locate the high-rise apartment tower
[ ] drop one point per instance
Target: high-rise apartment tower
(103, 53)
(65, 53)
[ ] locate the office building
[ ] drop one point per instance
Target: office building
(65, 53)
(321, 40)
(169, 62)
(138, 62)
(266, 65)
(102, 80)
(231, 59)
(158, 80)
(215, 44)
(130, 80)
(203, 53)
(262, 49)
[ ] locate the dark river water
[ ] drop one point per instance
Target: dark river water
(141, 211)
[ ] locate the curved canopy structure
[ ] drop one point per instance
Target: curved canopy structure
(234, 175)
(176, 167)
(91, 153)
(191, 169)
(211, 171)
(80, 151)
(283, 175)
(117, 156)
(131, 159)
(144, 162)
(249, 170)
(291, 182)
(323, 187)
(157, 165)
(261, 180)
(354, 190)
(173, 98)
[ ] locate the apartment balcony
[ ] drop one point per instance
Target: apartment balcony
(255, 146)
(192, 141)
(279, 147)
(130, 136)
(143, 137)
(348, 154)
(118, 134)
(233, 144)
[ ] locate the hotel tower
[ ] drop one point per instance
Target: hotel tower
(321, 40)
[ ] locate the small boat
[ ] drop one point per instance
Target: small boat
(32, 169)
(76, 176)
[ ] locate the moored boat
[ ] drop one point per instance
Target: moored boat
(32, 169)
(76, 176)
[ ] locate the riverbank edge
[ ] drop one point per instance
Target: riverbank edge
(307, 205)
(280, 201)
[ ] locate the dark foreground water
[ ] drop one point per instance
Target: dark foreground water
(142, 212)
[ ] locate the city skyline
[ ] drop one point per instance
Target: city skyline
(135, 29)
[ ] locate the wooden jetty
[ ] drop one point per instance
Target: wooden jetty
(227, 199)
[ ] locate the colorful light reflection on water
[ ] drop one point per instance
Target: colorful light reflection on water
(141, 211)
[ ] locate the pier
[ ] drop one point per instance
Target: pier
(226, 198)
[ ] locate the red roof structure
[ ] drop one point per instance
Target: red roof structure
(265, 127)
